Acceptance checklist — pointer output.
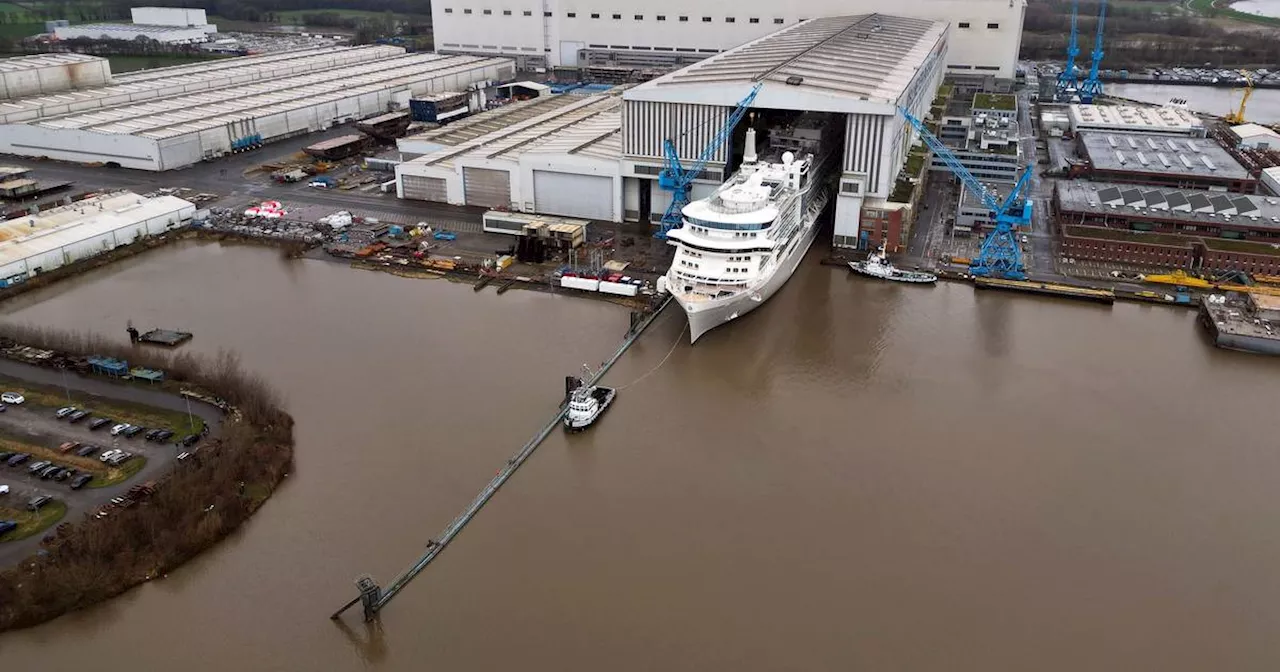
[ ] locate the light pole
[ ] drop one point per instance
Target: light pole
(65, 387)
(190, 419)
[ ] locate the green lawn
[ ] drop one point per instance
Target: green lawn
(10, 8)
(17, 31)
(297, 14)
(1217, 8)
(49, 398)
(121, 64)
(994, 101)
(31, 523)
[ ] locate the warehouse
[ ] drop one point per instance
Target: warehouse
(861, 68)
(39, 74)
(557, 155)
(181, 130)
(172, 16)
(478, 125)
(985, 34)
(1177, 162)
(1165, 120)
(1167, 211)
(131, 31)
(37, 244)
(1255, 136)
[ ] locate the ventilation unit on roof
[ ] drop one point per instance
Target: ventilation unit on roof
(1132, 144)
(1142, 158)
(795, 80)
(1165, 160)
(1207, 163)
(1111, 141)
(1120, 157)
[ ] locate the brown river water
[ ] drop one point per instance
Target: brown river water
(856, 476)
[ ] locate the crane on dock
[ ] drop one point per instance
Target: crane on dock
(1067, 82)
(677, 179)
(1000, 256)
(1236, 117)
(1092, 86)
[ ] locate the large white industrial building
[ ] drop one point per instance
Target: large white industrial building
(36, 244)
(39, 74)
(598, 157)
(179, 116)
(170, 25)
(985, 34)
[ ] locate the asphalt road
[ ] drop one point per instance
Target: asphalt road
(40, 428)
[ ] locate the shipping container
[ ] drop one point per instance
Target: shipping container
(585, 284)
(619, 288)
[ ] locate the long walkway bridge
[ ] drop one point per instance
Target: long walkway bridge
(374, 597)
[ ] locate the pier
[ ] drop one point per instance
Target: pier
(374, 598)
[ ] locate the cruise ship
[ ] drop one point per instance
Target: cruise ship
(738, 246)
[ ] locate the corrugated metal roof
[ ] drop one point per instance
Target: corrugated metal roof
(37, 61)
(223, 64)
(574, 128)
(864, 57)
(183, 114)
(72, 223)
(483, 123)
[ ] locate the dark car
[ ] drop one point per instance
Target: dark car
(81, 481)
(39, 502)
(7, 526)
(64, 474)
(164, 435)
(151, 434)
(77, 416)
(99, 423)
(49, 472)
(18, 459)
(190, 440)
(4, 456)
(86, 451)
(37, 467)
(133, 431)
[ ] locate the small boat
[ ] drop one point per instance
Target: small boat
(878, 266)
(586, 402)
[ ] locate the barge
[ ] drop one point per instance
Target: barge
(1105, 296)
(1243, 322)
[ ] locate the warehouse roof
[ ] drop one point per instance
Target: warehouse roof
(168, 117)
(486, 122)
(1209, 207)
(1168, 119)
(221, 64)
(588, 125)
(1164, 154)
(36, 61)
(1248, 131)
(69, 224)
(130, 28)
(187, 79)
(821, 64)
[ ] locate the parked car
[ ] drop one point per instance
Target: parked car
(81, 481)
(38, 503)
(12, 398)
(77, 416)
(190, 440)
(18, 459)
(4, 457)
(99, 423)
(164, 435)
(3, 408)
(64, 474)
(4, 489)
(119, 459)
(38, 466)
(152, 434)
(118, 429)
(7, 526)
(69, 446)
(86, 451)
(65, 411)
(49, 472)
(109, 454)
(133, 431)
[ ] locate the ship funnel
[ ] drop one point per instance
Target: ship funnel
(749, 150)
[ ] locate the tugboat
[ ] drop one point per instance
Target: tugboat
(586, 402)
(878, 266)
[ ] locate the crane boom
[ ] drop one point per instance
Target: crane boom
(1092, 87)
(677, 179)
(1000, 256)
(1237, 116)
(1067, 82)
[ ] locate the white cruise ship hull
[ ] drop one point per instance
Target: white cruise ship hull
(707, 314)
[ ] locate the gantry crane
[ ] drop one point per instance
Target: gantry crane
(1000, 256)
(1092, 86)
(1067, 82)
(1237, 116)
(677, 179)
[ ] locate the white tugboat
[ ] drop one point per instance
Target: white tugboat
(878, 266)
(586, 402)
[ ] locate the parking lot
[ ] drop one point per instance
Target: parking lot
(33, 428)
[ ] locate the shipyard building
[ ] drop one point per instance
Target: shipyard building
(175, 117)
(1161, 160)
(41, 74)
(599, 156)
(612, 34)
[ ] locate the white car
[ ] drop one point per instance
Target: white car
(115, 431)
(110, 454)
(1025, 240)
(12, 398)
(4, 489)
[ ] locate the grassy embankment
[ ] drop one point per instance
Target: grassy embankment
(31, 523)
(1220, 9)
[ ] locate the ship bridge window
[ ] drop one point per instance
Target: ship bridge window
(725, 226)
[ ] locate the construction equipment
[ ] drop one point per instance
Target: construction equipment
(1000, 256)
(677, 179)
(1236, 116)
(1067, 82)
(1092, 86)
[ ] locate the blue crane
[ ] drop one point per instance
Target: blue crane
(677, 179)
(1091, 87)
(1000, 256)
(1067, 82)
